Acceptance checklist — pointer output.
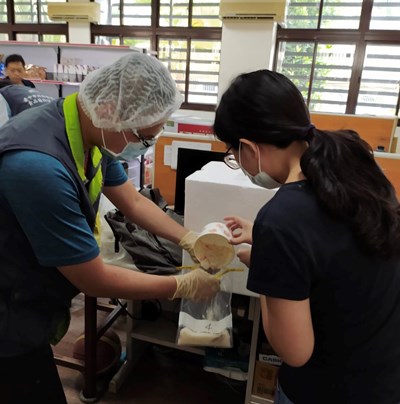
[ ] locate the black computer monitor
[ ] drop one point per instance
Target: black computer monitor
(189, 161)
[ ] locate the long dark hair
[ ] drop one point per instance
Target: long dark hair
(266, 107)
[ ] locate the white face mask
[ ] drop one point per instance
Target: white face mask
(130, 151)
(261, 179)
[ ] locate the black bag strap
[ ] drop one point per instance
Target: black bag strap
(154, 195)
(157, 198)
(117, 237)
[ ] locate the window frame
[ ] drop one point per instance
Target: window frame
(155, 32)
(361, 37)
(12, 28)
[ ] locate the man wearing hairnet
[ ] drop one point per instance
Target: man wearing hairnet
(55, 160)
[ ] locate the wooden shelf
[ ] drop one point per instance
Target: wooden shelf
(49, 55)
(161, 332)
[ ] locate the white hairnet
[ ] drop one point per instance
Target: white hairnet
(137, 91)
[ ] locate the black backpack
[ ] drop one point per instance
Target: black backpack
(150, 253)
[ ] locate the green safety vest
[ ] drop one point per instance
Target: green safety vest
(95, 183)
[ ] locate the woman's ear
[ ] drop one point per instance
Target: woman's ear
(252, 147)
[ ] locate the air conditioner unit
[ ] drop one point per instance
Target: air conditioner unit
(274, 10)
(78, 12)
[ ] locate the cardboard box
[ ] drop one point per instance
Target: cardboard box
(265, 379)
(214, 192)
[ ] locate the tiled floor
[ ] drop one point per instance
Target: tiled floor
(162, 376)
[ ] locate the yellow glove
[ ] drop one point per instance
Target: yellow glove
(187, 243)
(196, 285)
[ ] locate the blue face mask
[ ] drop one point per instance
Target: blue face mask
(130, 152)
(261, 179)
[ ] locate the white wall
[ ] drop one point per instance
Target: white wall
(246, 46)
(79, 32)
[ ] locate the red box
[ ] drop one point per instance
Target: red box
(195, 128)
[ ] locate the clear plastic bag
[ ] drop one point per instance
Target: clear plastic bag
(206, 323)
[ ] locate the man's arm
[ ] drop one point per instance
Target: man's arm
(143, 212)
(50, 215)
(95, 278)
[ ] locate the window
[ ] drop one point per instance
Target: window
(3, 11)
(379, 88)
(321, 72)
(141, 43)
(385, 15)
(26, 11)
(186, 34)
(41, 38)
(29, 22)
(343, 55)
(32, 11)
(197, 76)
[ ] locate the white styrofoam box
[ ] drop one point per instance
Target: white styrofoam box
(214, 192)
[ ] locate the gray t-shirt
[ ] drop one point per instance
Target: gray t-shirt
(15, 99)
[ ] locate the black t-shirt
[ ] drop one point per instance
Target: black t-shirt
(299, 252)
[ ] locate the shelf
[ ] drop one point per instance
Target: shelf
(70, 45)
(260, 400)
(66, 65)
(63, 83)
(96, 46)
(161, 332)
(28, 43)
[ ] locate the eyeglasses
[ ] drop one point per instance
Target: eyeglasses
(230, 160)
(150, 141)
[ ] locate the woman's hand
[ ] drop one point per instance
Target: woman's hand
(244, 256)
(241, 229)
